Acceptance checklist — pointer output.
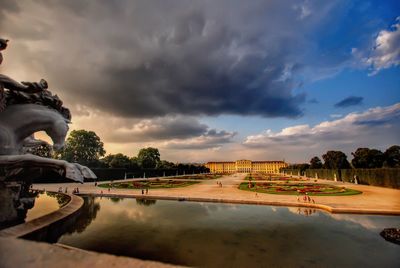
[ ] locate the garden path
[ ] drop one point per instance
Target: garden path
(373, 200)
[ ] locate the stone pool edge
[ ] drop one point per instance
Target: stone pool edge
(327, 208)
(20, 230)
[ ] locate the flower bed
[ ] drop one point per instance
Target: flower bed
(148, 184)
(272, 177)
(297, 188)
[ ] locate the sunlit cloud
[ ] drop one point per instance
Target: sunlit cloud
(375, 127)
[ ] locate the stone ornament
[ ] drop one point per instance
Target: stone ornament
(26, 108)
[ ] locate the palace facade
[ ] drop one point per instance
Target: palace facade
(246, 166)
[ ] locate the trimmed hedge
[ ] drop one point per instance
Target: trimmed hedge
(105, 174)
(384, 177)
(328, 174)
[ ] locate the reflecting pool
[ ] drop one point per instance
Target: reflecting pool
(17, 207)
(227, 235)
(45, 203)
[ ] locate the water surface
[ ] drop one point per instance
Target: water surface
(45, 203)
(18, 206)
(226, 235)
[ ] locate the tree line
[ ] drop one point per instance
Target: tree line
(362, 158)
(86, 148)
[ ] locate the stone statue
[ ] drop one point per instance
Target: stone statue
(26, 108)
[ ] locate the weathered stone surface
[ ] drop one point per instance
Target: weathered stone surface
(19, 253)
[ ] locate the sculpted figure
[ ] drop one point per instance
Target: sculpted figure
(26, 108)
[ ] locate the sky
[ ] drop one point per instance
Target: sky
(216, 80)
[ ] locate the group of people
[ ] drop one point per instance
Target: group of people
(306, 198)
(219, 184)
(145, 191)
(75, 191)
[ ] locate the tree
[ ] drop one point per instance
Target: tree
(315, 163)
(134, 163)
(367, 158)
(163, 164)
(43, 150)
(148, 157)
(335, 160)
(301, 167)
(117, 161)
(83, 147)
(392, 156)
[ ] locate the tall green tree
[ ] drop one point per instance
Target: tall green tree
(83, 147)
(367, 158)
(302, 167)
(335, 160)
(315, 163)
(163, 164)
(117, 161)
(134, 163)
(392, 156)
(148, 157)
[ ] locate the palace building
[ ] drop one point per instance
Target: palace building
(246, 166)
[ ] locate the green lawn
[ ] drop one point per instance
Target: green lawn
(312, 189)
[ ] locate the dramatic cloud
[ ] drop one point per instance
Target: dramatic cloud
(124, 130)
(212, 139)
(377, 127)
(169, 134)
(158, 129)
(151, 59)
(349, 101)
(385, 52)
(156, 73)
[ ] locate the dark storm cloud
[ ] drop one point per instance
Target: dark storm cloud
(212, 139)
(9, 6)
(155, 58)
(168, 132)
(349, 101)
(159, 129)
